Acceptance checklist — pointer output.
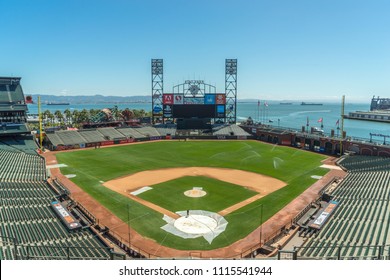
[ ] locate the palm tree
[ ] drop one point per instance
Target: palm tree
(138, 113)
(127, 114)
(49, 117)
(59, 116)
(68, 115)
(75, 117)
(84, 116)
(93, 112)
(45, 116)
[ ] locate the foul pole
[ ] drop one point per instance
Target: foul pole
(342, 125)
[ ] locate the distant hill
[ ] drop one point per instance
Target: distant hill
(91, 99)
(101, 99)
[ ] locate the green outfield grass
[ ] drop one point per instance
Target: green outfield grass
(220, 195)
(91, 167)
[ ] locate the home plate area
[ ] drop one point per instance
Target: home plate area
(196, 223)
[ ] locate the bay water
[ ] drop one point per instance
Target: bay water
(292, 115)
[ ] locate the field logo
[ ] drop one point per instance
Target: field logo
(167, 98)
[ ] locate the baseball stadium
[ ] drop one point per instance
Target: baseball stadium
(190, 184)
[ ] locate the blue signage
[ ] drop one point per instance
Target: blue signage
(221, 109)
(157, 109)
(209, 99)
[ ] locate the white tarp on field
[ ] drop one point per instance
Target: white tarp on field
(196, 224)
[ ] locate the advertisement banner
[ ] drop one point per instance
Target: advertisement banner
(168, 98)
(106, 143)
(220, 111)
(193, 100)
(220, 98)
(65, 216)
(324, 215)
(178, 99)
(209, 99)
(157, 109)
(167, 111)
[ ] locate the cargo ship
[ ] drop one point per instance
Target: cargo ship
(306, 103)
(58, 103)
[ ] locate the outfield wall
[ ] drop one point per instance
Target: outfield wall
(133, 140)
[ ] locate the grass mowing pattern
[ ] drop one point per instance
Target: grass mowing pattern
(220, 195)
(295, 167)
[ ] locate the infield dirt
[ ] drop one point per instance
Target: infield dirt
(262, 184)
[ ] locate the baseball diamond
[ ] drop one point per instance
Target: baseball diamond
(243, 165)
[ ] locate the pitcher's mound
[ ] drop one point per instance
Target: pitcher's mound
(195, 192)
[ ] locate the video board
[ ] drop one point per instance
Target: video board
(207, 106)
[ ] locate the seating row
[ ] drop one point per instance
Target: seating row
(360, 227)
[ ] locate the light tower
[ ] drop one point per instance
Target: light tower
(231, 90)
(157, 89)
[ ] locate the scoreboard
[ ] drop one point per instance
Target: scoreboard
(207, 106)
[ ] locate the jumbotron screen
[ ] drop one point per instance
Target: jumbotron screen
(191, 111)
(207, 106)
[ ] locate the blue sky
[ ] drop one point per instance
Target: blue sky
(302, 49)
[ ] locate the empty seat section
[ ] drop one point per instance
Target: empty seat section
(92, 136)
(361, 222)
(111, 133)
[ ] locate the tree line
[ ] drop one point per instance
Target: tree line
(77, 118)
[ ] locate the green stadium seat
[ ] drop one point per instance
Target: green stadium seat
(362, 219)
(25, 210)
